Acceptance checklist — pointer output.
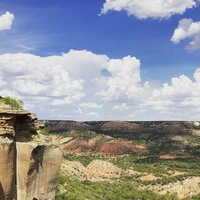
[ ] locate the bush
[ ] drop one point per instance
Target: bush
(14, 103)
(74, 189)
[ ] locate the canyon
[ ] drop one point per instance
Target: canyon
(157, 156)
(162, 157)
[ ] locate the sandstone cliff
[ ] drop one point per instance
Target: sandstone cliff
(29, 161)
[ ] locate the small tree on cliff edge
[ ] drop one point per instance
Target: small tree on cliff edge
(14, 103)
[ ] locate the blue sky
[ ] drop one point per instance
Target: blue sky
(102, 60)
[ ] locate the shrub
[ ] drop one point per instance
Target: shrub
(14, 103)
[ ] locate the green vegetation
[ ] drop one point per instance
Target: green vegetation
(14, 103)
(85, 160)
(146, 164)
(127, 186)
(184, 163)
(195, 197)
(76, 134)
(74, 189)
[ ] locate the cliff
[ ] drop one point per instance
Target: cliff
(29, 161)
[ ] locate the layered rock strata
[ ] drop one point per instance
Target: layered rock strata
(29, 161)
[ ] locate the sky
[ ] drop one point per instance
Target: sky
(102, 60)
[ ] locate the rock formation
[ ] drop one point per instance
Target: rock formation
(102, 145)
(29, 161)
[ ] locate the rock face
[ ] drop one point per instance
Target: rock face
(7, 170)
(29, 162)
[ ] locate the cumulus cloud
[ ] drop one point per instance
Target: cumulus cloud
(6, 21)
(73, 86)
(121, 107)
(2, 82)
(187, 29)
(61, 78)
(90, 105)
(181, 92)
(93, 114)
(70, 99)
(31, 75)
(124, 80)
(144, 9)
(83, 108)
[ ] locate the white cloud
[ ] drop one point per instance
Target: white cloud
(68, 100)
(61, 78)
(28, 87)
(182, 92)
(88, 109)
(86, 63)
(125, 80)
(197, 75)
(187, 29)
(90, 105)
(58, 86)
(93, 114)
(6, 21)
(121, 107)
(2, 82)
(144, 9)
(191, 101)
(31, 75)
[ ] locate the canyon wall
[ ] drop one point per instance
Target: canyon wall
(124, 128)
(158, 136)
(29, 161)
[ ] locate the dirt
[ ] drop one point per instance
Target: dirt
(149, 177)
(171, 156)
(103, 145)
(97, 170)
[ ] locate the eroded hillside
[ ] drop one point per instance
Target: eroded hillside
(158, 137)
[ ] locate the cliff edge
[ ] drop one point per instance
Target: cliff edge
(29, 161)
